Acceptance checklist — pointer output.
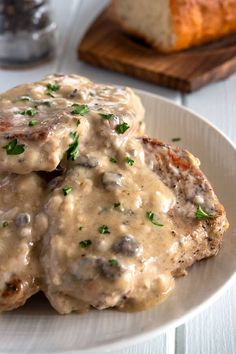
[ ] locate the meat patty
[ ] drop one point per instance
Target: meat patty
(197, 207)
(120, 230)
(21, 226)
(43, 122)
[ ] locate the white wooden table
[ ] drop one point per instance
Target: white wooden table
(214, 330)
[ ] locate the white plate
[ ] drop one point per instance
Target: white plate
(36, 328)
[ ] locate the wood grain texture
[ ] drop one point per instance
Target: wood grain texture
(106, 45)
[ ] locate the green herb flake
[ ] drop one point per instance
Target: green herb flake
(175, 139)
(106, 116)
(73, 135)
(73, 149)
(44, 103)
(53, 87)
(5, 224)
(121, 128)
(129, 161)
(49, 93)
(12, 148)
(202, 214)
(113, 160)
(151, 217)
(116, 205)
(103, 229)
(113, 262)
(28, 112)
(33, 122)
(67, 190)
(85, 243)
(80, 109)
(25, 98)
(77, 122)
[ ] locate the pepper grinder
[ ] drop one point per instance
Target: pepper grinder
(27, 33)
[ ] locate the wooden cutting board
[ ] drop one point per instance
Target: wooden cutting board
(105, 44)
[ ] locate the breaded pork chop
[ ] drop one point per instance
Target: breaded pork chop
(21, 226)
(120, 230)
(41, 123)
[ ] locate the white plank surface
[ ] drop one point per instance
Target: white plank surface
(213, 331)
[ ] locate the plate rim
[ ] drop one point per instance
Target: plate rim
(185, 108)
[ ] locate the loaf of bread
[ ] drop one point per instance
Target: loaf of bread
(173, 25)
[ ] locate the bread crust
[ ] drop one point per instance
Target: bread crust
(194, 23)
(197, 22)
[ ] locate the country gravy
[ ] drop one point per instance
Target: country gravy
(100, 233)
(101, 247)
(39, 118)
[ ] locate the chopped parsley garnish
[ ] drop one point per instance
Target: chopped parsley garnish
(129, 161)
(121, 128)
(106, 116)
(78, 123)
(25, 98)
(113, 262)
(175, 139)
(29, 112)
(44, 103)
(33, 122)
(73, 135)
(151, 217)
(202, 214)
(80, 109)
(12, 148)
(113, 159)
(103, 229)
(52, 88)
(85, 243)
(67, 190)
(5, 224)
(116, 205)
(73, 149)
